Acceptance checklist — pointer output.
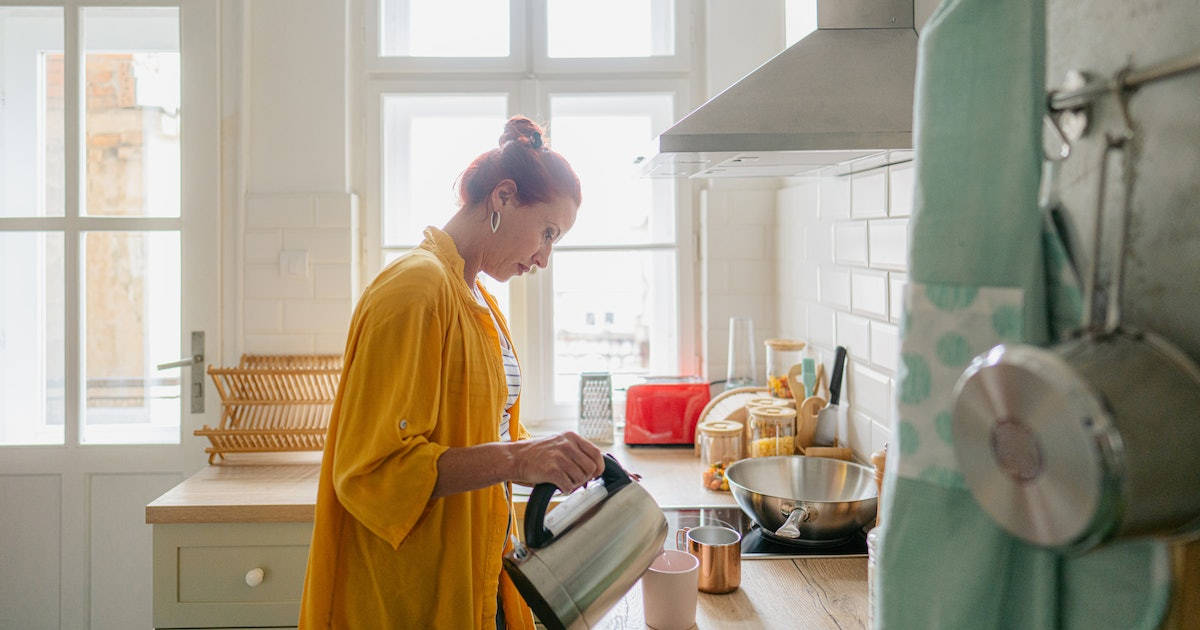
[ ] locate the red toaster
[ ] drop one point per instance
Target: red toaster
(664, 413)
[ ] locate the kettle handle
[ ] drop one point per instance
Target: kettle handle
(536, 534)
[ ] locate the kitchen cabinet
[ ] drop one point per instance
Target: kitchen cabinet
(255, 512)
(227, 575)
(231, 544)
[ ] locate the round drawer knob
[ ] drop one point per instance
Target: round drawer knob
(254, 577)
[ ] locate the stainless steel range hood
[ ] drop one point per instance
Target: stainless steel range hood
(845, 91)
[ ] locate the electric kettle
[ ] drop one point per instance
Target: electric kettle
(580, 560)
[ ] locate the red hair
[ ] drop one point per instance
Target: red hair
(541, 175)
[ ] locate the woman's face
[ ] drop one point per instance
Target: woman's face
(526, 234)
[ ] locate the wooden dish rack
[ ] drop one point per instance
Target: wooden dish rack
(273, 403)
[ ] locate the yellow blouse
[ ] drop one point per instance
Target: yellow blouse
(422, 374)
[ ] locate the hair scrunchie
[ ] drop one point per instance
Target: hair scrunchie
(535, 140)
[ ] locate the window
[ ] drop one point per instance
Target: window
(619, 288)
(90, 226)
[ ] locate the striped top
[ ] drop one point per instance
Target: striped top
(512, 374)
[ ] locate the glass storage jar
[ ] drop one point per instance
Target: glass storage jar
(782, 354)
(720, 446)
(772, 431)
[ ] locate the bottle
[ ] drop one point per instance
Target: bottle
(742, 368)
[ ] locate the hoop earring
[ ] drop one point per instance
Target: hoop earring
(495, 221)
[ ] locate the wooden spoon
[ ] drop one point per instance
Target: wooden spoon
(806, 409)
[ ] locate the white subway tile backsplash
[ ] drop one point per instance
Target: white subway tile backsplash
(324, 245)
(855, 334)
(262, 316)
(869, 293)
(889, 244)
(885, 345)
(329, 343)
(790, 242)
(834, 197)
(262, 245)
(901, 190)
(753, 207)
(331, 281)
(835, 287)
(264, 281)
(896, 284)
(313, 316)
(334, 210)
(754, 277)
(868, 196)
(860, 426)
(870, 391)
(821, 325)
(279, 344)
(793, 319)
(850, 243)
(818, 246)
(279, 211)
(747, 242)
(718, 276)
(842, 286)
(787, 205)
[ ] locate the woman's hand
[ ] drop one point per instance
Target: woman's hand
(565, 460)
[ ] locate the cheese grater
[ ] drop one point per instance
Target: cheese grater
(595, 407)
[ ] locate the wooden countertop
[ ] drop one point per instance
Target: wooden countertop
(282, 487)
(266, 488)
(815, 593)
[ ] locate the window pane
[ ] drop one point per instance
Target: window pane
(443, 28)
(31, 338)
(132, 111)
(599, 134)
(428, 140)
(801, 19)
(614, 28)
(132, 284)
(613, 312)
(31, 112)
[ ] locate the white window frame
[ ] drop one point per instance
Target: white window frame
(74, 225)
(529, 87)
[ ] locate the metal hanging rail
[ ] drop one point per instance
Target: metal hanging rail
(1124, 81)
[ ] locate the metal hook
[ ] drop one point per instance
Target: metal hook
(1124, 90)
(1064, 150)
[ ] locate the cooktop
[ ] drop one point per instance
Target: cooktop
(755, 545)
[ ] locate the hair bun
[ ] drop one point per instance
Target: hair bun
(521, 128)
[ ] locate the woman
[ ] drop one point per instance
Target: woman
(413, 507)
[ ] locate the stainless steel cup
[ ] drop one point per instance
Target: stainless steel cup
(720, 552)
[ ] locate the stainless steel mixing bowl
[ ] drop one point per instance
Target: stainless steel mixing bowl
(819, 500)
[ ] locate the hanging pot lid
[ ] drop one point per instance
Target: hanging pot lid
(1037, 446)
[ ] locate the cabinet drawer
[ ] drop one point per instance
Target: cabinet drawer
(200, 574)
(219, 574)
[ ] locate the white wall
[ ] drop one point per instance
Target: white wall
(842, 250)
(739, 36)
(296, 196)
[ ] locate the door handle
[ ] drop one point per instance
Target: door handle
(196, 361)
(199, 358)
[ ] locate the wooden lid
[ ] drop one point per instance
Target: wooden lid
(777, 415)
(770, 401)
(785, 344)
(721, 427)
